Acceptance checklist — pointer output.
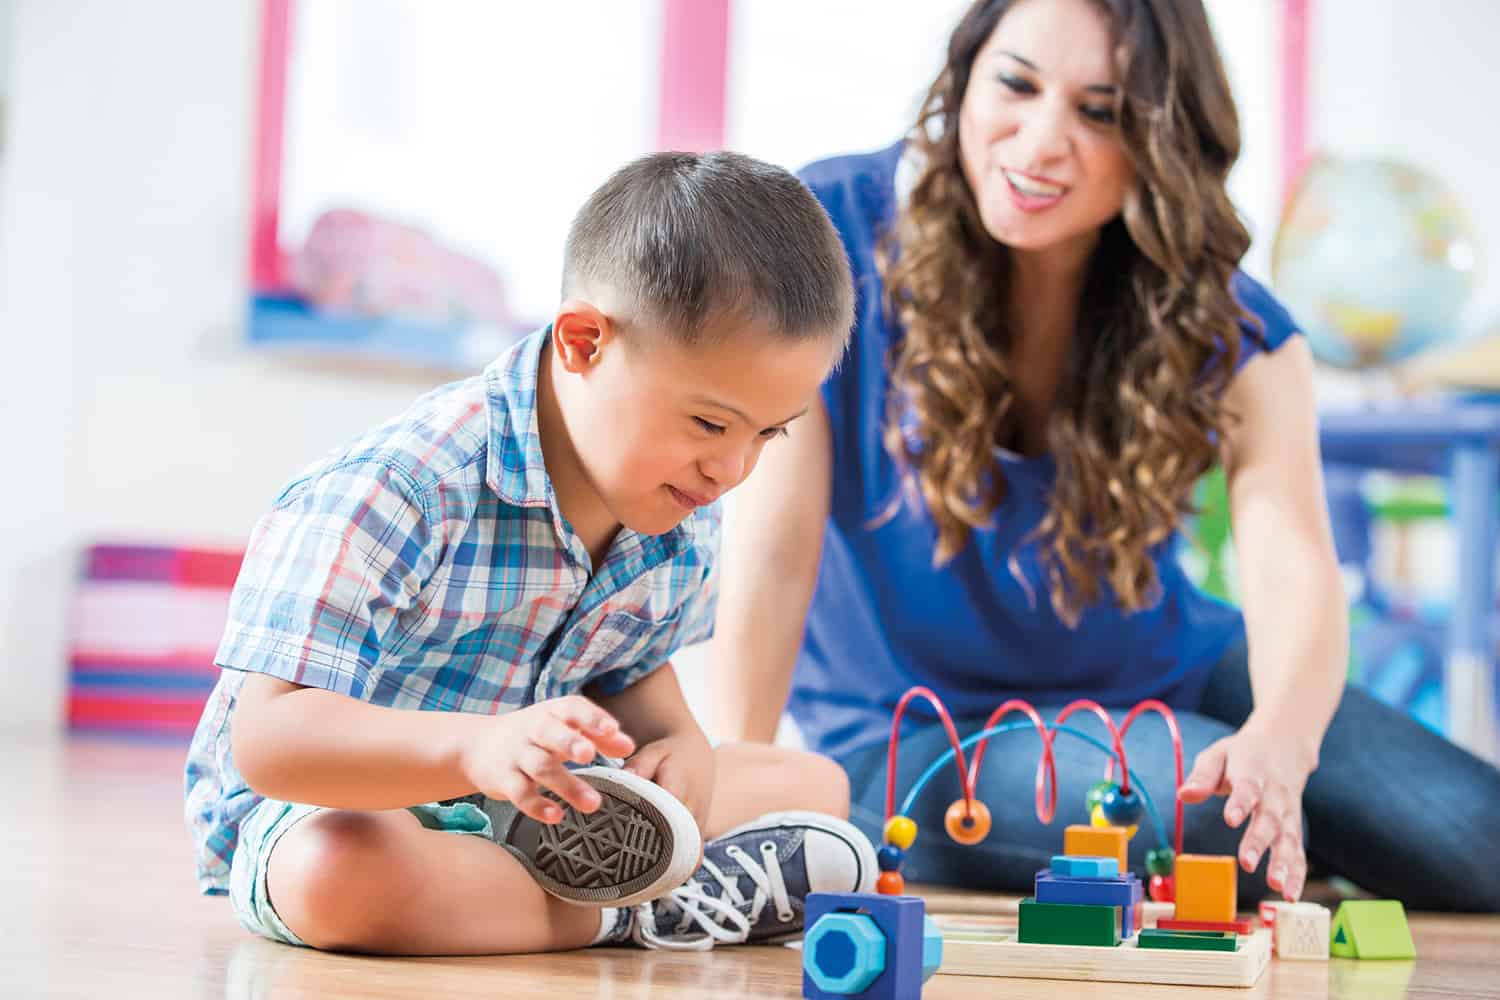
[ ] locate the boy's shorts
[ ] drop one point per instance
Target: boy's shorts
(270, 819)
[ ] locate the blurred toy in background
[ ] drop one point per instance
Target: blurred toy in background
(144, 625)
(355, 262)
(1375, 259)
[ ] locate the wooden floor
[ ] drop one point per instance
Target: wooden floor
(98, 900)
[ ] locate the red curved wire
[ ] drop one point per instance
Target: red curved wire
(1046, 772)
(1149, 705)
(1046, 768)
(890, 759)
(1117, 736)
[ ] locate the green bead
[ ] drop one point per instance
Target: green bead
(1161, 861)
(1096, 793)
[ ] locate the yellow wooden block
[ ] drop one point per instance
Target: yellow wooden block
(1205, 885)
(1097, 842)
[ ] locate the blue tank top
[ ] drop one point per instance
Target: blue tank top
(883, 618)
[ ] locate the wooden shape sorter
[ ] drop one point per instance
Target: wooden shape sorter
(977, 949)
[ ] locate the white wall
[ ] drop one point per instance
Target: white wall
(1418, 82)
(127, 410)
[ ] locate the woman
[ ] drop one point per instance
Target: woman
(1053, 344)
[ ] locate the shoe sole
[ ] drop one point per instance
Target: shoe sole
(641, 843)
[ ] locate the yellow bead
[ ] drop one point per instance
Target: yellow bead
(968, 822)
(900, 832)
(1097, 818)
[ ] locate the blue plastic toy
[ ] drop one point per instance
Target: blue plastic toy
(868, 946)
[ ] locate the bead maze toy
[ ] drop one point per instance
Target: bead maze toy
(1085, 919)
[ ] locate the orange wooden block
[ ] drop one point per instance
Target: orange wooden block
(1205, 887)
(1097, 842)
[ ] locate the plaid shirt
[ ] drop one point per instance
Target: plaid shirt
(427, 566)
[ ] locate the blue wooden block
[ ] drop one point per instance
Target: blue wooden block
(1124, 891)
(841, 951)
(1077, 866)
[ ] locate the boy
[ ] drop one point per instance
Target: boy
(435, 627)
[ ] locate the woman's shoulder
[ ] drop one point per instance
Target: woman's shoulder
(858, 190)
(1266, 322)
(852, 169)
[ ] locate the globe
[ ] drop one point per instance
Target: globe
(1375, 259)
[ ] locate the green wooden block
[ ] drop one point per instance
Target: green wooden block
(1371, 928)
(1151, 937)
(1065, 923)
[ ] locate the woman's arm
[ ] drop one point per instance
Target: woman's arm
(773, 540)
(1296, 613)
(1296, 617)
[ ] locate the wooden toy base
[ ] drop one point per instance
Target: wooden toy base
(971, 949)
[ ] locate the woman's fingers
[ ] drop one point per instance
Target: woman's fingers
(1288, 867)
(1264, 828)
(1247, 784)
(1207, 777)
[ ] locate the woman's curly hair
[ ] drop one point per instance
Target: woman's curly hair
(1139, 413)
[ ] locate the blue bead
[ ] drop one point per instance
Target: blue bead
(890, 858)
(1121, 808)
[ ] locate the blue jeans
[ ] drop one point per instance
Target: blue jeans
(1393, 807)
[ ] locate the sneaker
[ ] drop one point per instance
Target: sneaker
(753, 885)
(640, 843)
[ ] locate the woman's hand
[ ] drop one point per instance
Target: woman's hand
(1263, 771)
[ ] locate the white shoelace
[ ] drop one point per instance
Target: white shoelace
(722, 919)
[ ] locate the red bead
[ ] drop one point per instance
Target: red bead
(890, 884)
(1163, 888)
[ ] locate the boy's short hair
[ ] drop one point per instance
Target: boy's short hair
(689, 238)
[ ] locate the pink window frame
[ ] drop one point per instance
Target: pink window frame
(690, 111)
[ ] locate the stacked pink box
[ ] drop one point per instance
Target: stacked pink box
(146, 622)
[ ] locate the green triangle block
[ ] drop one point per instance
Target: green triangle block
(1371, 928)
(1341, 945)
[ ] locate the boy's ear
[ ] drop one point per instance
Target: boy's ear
(580, 334)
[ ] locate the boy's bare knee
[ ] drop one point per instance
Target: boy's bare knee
(821, 783)
(335, 878)
(828, 780)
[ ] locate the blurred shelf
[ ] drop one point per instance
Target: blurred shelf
(377, 346)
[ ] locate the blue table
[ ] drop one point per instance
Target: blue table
(1458, 439)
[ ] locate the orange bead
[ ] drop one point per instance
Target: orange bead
(968, 822)
(890, 884)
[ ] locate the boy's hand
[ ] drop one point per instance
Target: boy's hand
(683, 764)
(521, 752)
